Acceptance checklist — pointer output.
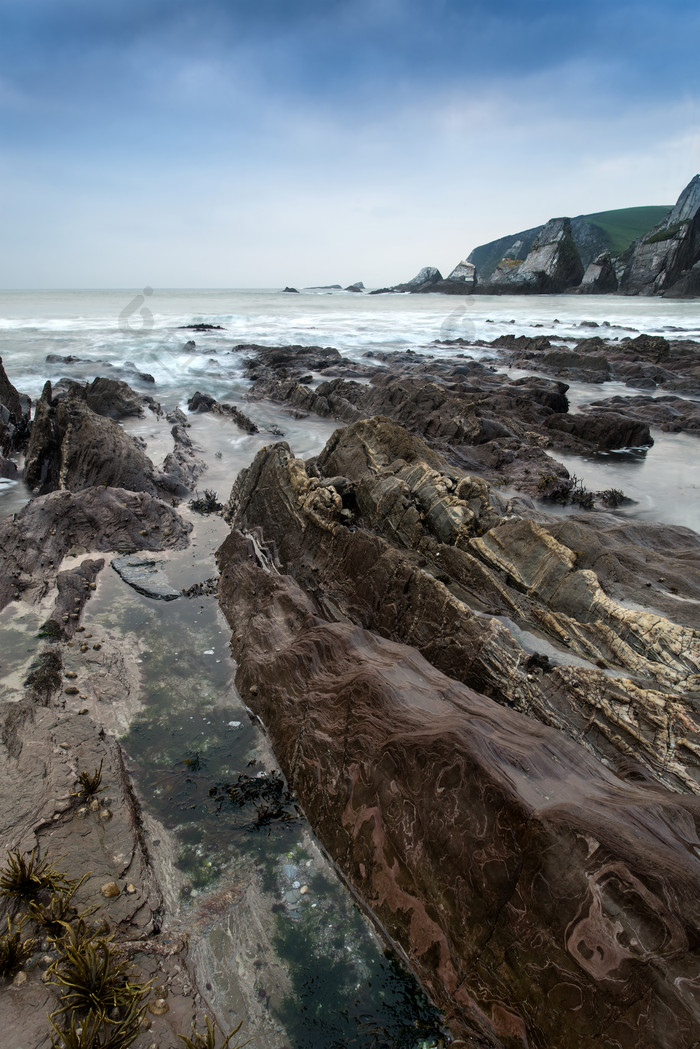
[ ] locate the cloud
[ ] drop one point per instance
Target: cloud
(240, 144)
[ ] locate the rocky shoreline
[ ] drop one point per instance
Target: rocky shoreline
(488, 710)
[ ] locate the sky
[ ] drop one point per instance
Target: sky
(227, 143)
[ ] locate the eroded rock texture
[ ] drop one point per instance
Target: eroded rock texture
(73, 447)
(14, 417)
(544, 902)
(103, 519)
(382, 533)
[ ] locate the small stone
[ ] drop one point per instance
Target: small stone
(253, 690)
(158, 1007)
(110, 889)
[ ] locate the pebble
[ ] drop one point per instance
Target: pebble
(110, 889)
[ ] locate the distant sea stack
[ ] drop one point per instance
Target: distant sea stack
(652, 250)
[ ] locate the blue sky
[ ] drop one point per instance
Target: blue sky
(234, 144)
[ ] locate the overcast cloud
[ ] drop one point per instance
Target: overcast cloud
(229, 144)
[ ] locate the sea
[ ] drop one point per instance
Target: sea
(192, 735)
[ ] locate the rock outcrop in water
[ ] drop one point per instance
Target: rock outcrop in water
(542, 899)
(504, 429)
(14, 423)
(73, 447)
(599, 277)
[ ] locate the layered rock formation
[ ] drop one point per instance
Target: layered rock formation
(552, 265)
(645, 362)
(600, 276)
(544, 900)
(482, 420)
(14, 423)
(660, 261)
(73, 447)
(639, 251)
(383, 532)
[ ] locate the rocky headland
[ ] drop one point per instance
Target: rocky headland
(482, 682)
(582, 255)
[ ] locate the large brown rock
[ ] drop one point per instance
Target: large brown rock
(382, 536)
(604, 430)
(543, 901)
(73, 447)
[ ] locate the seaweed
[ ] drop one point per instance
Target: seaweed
(14, 951)
(208, 1040)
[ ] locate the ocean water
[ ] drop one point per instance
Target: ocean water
(122, 332)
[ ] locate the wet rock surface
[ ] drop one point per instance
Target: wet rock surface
(45, 749)
(203, 402)
(644, 361)
(426, 556)
(505, 429)
(14, 422)
(145, 575)
(73, 447)
(522, 876)
(101, 519)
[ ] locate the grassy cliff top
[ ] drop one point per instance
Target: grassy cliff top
(626, 224)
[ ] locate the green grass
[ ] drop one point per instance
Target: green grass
(626, 224)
